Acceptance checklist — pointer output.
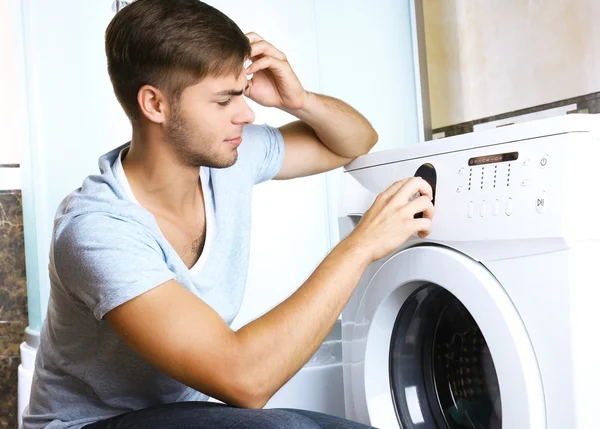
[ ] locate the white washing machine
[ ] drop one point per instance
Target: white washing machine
(492, 321)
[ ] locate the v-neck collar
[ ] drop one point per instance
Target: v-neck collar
(204, 174)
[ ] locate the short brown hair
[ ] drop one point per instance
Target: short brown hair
(170, 44)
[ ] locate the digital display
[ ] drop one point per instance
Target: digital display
(491, 159)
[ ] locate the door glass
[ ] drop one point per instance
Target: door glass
(441, 370)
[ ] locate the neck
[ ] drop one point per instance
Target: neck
(157, 177)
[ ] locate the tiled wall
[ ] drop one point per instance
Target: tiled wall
(486, 58)
(13, 302)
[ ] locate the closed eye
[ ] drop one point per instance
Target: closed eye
(224, 103)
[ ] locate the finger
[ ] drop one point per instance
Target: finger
(253, 37)
(420, 205)
(265, 48)
(392, 189)
(265, 63)
(422, 227)
(410, 188)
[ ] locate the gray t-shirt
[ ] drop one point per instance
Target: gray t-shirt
(107, 249)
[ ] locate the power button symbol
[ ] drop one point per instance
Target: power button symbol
(544, 161)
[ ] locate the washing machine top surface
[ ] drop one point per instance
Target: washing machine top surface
(574, 123)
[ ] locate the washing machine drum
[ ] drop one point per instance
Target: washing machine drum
(439, 351)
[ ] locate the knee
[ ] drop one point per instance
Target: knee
(283, 419)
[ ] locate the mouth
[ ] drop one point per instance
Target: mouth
(236, 141)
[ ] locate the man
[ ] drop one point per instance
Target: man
(148, 259)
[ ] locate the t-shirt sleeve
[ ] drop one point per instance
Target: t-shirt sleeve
(106, 261)
(266, 151)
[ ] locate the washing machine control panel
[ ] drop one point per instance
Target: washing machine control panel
(532, 188)
(492, 182)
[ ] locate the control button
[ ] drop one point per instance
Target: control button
(509, 207)
(461, 170)
(541, 201)
(471, 209)
(496, 208)
(459, 189)
(482, 209)
(525, 182)
(527, 163)
(544, 161)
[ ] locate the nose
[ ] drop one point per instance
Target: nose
(245, 115)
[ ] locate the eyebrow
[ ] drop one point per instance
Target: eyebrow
(232, 91)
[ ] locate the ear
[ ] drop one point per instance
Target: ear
(153, 104)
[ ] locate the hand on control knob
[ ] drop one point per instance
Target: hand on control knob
(390, 221)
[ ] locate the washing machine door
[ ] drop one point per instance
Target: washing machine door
(438, 344)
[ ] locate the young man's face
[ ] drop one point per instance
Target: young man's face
(206, 123)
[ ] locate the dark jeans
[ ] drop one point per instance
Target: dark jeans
(209, 415)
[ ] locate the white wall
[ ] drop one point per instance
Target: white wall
(365, 58)
(290, 231)
(9, 108)
(12, 88)
(342, 48)
(357, 53)
(74, 118)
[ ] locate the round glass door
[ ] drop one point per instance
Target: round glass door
(437, 343)
(441, 368)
